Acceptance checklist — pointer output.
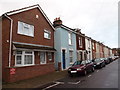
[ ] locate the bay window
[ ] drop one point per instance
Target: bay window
(42, 58)
(24, 58)
(49, 56)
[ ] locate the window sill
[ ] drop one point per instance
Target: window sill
(70, 44)
(43, 63)
(47, 38)
(25, 35)
(24, 65)
(71, 62)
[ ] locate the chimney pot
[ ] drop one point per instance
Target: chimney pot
(57, 22)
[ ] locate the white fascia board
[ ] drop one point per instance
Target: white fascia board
(25, 9)
(68, 29)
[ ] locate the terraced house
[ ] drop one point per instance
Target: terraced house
(65, 44)
(80, 42)
(33, 46)
(88, 47)
(27, 44)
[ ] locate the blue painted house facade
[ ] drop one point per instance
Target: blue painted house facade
(65, 44)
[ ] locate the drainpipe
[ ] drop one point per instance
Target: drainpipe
(10, 41)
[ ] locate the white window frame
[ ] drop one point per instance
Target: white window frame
(47, 32)
(50, 59)
(93, 46)
(80, 42)
(71, 56)
(23, 58)
(21, 29)
(44, 58)
(70, 38)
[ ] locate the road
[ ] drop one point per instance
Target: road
(106, 77)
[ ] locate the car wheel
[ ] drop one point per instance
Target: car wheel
(93, 69)
(104, 64)
(85, 73)
(101, 66)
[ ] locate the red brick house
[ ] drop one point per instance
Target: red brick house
(93, 49)
(116, 51)
(27, 44)
(80, 44)
(101, 50)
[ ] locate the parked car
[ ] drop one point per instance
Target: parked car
(99, 63)
(81, 67)
(107, 60)
(111, 59)
(116, 57)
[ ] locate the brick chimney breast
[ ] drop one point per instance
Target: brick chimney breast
(57, 22)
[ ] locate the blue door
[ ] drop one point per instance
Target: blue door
(63, 58)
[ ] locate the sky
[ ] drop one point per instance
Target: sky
(97, 19)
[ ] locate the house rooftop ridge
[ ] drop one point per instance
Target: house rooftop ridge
(22, 8)
(67, 27)
(28, 8)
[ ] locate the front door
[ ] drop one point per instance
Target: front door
(63, 59)
(81, 56)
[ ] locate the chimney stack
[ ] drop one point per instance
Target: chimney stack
(57, 22)
(78, 30)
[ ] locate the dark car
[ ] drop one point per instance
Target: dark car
(107, 60)
(111, 59)
(99, 63)
(81, 67)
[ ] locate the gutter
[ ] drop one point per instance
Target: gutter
(10, 41)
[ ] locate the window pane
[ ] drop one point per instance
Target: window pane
(19, 60)
(71, 60)
(47, 34)
(28, 59)
(71, 56)
(42, 58)
(28, 52)
(18, 52)
(50, 56)
(31, 30)
(20, 27)
(71, 52)
(25, 29)
(70, 38)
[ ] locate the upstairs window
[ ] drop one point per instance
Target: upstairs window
(80, 42)
(47, 34)
(25, 29)
(70, 38)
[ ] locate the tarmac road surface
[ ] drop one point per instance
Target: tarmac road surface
(107, 77)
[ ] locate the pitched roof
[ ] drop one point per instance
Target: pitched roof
(28, 8)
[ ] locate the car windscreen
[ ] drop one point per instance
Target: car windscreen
(97, 60)
(78, 63)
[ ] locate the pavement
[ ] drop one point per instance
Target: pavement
(37, 81)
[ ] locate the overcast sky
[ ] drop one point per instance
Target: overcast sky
(96, 18)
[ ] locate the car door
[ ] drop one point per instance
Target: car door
(89, 65)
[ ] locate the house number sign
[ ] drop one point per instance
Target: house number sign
(12, 71)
